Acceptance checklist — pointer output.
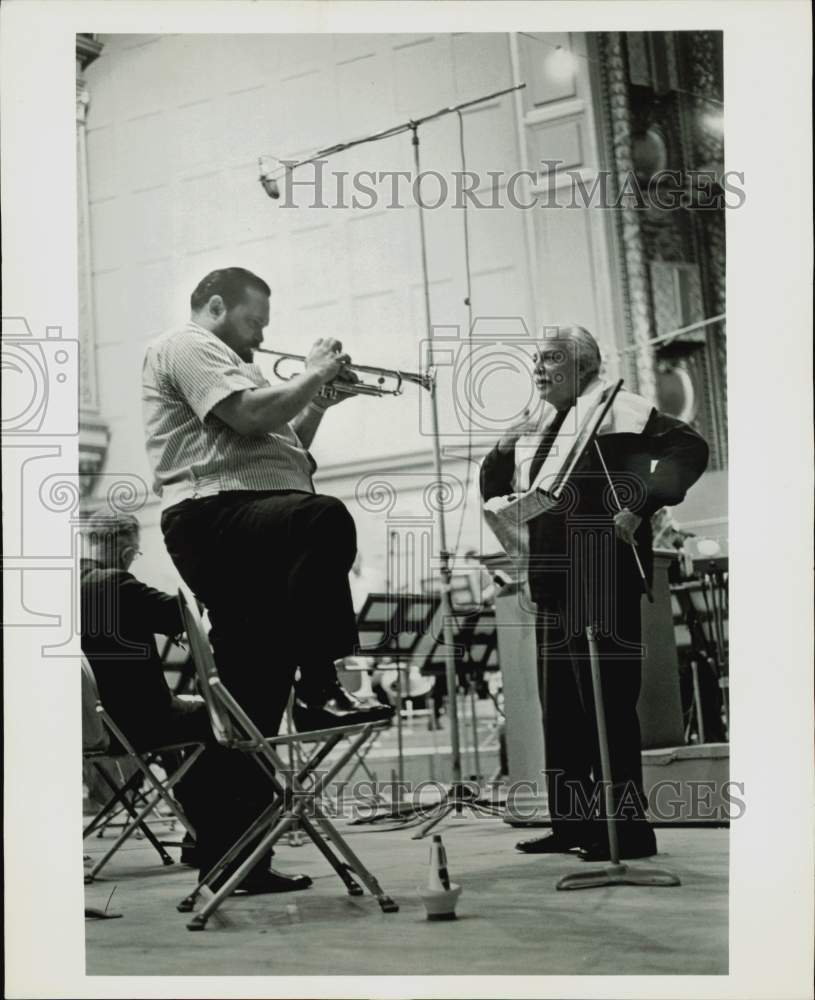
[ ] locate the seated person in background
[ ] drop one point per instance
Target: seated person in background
(120, 616)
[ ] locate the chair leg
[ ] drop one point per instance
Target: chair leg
(163, 789)
(265, 819)
(115, 803)
(199, 921)
(138, 823)
(161, 793)
(340, 867)
(368, 880)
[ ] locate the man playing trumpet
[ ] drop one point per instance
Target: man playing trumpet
(266, 554)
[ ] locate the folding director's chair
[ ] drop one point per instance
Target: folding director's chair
(295, 800)
(126, 794)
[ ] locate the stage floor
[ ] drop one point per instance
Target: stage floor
(512, 921)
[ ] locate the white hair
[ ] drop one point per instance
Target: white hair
(587, 351)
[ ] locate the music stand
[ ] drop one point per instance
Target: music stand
(712, 575)
(475, 645)
(391, 626)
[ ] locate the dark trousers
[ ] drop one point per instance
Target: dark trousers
(573, 767)
(220, 794)
(272, 570)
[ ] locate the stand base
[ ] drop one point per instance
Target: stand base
(618, 875)
(459, 797)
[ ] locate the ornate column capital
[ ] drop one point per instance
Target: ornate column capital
(87, 49)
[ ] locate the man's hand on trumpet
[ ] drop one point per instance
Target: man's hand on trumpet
(327, 359)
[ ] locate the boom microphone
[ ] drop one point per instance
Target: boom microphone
(270, 185)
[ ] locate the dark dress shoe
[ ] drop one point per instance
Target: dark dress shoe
(272, 881)
(344, 700)
(641, 846)
(550, 843)
(189, 851)
(330, 714)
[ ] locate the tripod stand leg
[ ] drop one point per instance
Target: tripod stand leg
(400, 749)
(443, 812)
(474, 721)
(697, 700)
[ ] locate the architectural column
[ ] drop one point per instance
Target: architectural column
(93, 431)
(628, 218)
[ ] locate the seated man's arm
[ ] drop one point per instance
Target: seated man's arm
(149, 609)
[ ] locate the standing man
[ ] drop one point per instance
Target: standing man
(267, 555)
(582, 572)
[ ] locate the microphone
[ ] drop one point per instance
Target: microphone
(270, 185)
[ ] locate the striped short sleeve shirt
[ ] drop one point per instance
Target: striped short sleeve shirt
(192, 453)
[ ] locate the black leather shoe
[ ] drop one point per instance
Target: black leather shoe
(330, 715)
(550, 843)
(272, 881)
(337, 695)
(189, 851)
(630, 847)
(309, 717)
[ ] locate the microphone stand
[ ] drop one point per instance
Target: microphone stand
(458, 796)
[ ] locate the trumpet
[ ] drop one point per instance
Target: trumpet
(331, 390)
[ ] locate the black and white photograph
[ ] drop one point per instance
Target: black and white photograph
(389, 392)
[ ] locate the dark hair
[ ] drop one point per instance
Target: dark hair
(228, 282)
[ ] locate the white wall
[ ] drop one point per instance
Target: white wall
(175, 126)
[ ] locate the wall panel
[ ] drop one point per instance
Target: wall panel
(175, 126)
